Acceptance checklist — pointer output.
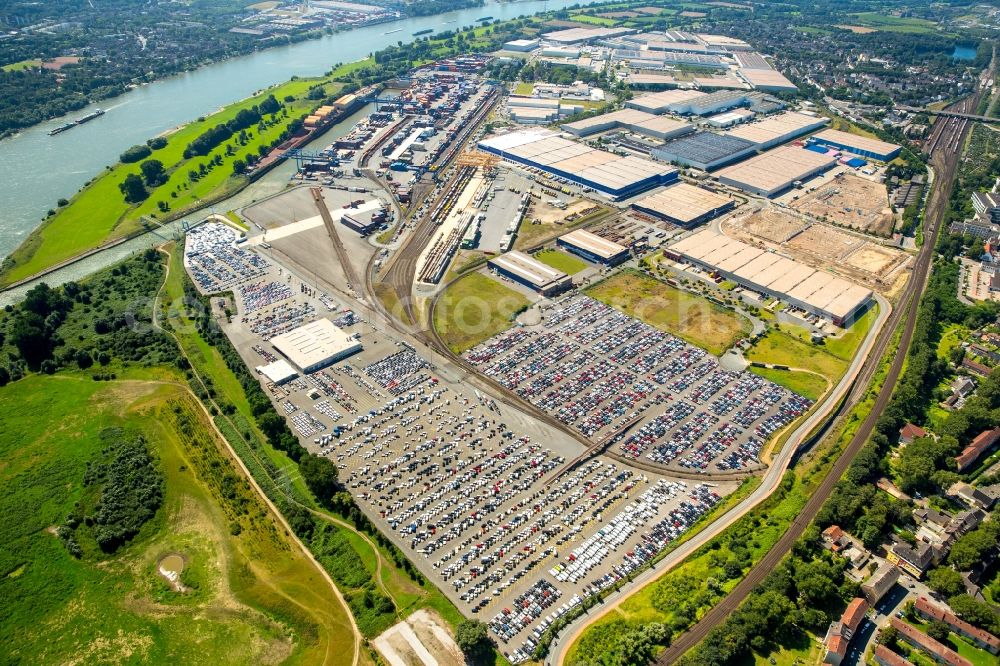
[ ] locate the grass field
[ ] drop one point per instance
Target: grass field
(524, 88)
(783, 348)
(474, 308)
(561, 261)
(602, 21)
(805, 384)
(22, 65)
(252, 598)
(685, 315)
(911, 25)
(98, 213)
(791, 346)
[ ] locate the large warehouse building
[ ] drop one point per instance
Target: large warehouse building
(778, 129)
(658, 127)
(315, 345)
(592, 247)
(773, 172)
(685, 205)
(611, 175)
(862, 146)
(705, 150)
(768, 273)
(530, 272)
(662, 101)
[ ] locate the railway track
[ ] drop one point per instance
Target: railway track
(402, 268)
(945, 159)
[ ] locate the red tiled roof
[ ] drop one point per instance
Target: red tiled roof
(912, 431)
(971, 453)
(838, 645)
(924, 607)
(928, 644)
(886, 656)
(854, 613)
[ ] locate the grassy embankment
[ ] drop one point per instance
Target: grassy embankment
(98, 213)
(474, 308)
(354, 559)
(688, 316)
(251, 595)
(680, 596)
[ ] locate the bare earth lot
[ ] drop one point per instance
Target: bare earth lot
(850, 201)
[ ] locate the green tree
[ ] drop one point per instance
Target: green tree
(939, 631)
(320, 474)
(153, 172)
(946, 581)
(133, 189)
(474, 641)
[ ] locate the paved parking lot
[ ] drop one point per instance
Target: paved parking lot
(598, 370)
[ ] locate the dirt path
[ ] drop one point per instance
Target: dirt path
(358, 638)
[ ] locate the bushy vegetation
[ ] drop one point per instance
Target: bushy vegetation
(129, 490)
(473, 639)
(104, 318)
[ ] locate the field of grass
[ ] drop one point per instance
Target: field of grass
(561, 261)
(524, 88)
(251, 598)
(952, 336)
(783, 348)
(602, 21)
(805, 384)
(691, 317)
(474, 308)
(22, 65)
(99, 214)
(911, 25)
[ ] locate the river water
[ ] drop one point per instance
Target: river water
(37, 169)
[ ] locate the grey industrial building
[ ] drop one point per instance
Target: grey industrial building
(705, 150)
(773, 172)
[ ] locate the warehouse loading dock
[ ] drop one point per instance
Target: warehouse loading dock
(315, 345)
(863, 146)
(768, 273)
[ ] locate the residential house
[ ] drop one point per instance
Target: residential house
(910, 432)
(963, 386)
(983, 442)
(980, 637)
(843, 544)
(838, 636)
(914, 560)
(879, 582)
(929, 646)
(976, 367)
(972, 497)
(886, 657)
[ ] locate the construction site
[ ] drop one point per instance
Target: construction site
(850, 254)
(849, 201)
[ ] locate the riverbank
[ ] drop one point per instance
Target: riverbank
(99, 215)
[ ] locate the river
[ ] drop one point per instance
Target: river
(37, 169)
